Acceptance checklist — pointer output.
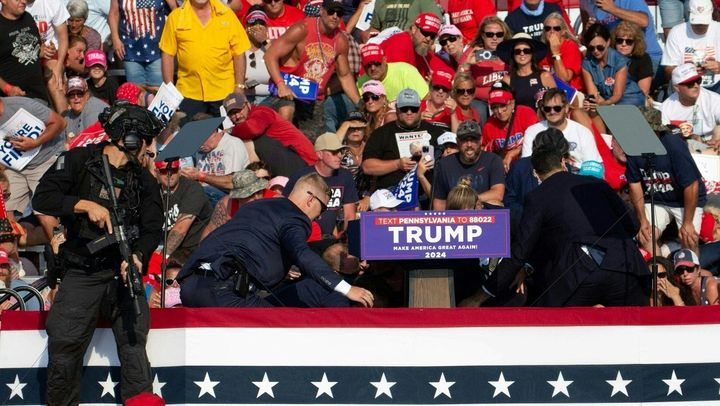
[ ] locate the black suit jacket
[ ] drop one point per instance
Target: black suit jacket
(563, 214)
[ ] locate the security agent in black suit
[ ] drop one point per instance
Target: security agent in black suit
(584, 233)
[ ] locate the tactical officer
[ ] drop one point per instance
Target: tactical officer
(75, 190)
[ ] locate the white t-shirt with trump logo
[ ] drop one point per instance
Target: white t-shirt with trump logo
(683, 45)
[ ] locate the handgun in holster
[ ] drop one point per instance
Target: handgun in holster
(242, 280)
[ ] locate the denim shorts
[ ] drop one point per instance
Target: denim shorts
(143, 72)
(672, 12)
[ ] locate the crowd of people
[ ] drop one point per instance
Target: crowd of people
(501, 112)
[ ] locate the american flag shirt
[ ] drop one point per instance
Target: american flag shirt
(141, 24)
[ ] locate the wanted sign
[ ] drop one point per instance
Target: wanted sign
(21, 124)
(166, 101)
(410, 143)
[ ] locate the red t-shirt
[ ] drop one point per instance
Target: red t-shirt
(278, 26)
(468, 14)
(263, 120)
(399, 48)
(494, 133)
(572, 59)
(475, 115)
(441, 117)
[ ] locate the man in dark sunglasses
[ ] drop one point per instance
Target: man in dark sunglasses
(313, 49)
(556, 111)
(693, 108)
(387, 152)
(415, 45)
(394, 76)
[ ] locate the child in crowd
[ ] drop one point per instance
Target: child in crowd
(101, 85)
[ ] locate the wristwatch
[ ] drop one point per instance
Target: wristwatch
(557, 57)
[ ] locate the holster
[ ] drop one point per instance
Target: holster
(242, 283)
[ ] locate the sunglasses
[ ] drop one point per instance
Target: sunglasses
(370, 65)
(460, 91)
(369, 96)
(272, 1)
(169, 282)
(556, 28)
(490, 34)
(409, 109)
(253, 63)
(682, 269)
(340, 13)
(427, 34)
(350, 129)
(323, 206)
(523, 51)
(75, 95)
(439, 88)
(556, 109)
(166, 170)
(252, 23)
(450, 38)
(626, 41)
(693, 83)
(599, 48)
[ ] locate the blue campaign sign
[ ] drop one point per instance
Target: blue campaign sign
(570, 91)
(407, 191)
(435, 234)
(303, 89)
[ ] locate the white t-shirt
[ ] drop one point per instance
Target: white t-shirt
(229, 156)
(703, 116)
(48, 14)
(683, 45)
(581, 140)
(98, 11)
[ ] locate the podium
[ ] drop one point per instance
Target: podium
(426, 240)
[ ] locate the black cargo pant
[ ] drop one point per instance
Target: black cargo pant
(84, 296)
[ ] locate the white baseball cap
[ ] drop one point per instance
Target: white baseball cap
(383, 198)
(684, 73)
(700, 11)
(447, 138)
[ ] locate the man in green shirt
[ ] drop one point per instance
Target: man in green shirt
(394, 76)
(399, 13)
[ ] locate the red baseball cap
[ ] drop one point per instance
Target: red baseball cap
(4, 259)
(371, 53)
(428, 22)
(499, 96)
(442, 78)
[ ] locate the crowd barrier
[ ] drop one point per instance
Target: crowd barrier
(520, 356)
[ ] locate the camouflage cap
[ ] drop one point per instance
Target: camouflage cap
(654, 118)
(245, 184)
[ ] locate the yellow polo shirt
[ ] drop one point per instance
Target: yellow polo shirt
(204, 54)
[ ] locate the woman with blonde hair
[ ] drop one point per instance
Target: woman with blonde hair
(463, 93)
(375, 106)
(462, 196)
(564, 58)
(629, 41)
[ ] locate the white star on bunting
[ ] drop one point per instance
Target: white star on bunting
(108, 386)
(442, 386)
(383, 387)
(560, 385)
(324, 387)
(674, 384)
(157, 386)
(619, 385)
(265, 387)
(16, 388)
(207, 386)
(501, 386)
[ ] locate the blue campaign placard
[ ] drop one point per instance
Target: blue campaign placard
(303, 89)
(435, 234)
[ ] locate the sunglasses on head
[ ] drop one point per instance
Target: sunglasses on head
(693, 83)
(439, 88)
(461, 91)
(682, 269)
(427, 34)
(450, 38)
(340, 13)
(626, 41)
(549, 28)
(369, 96)
(557, 109)
(599, 48)
(409, 109)
(523, 51)
(490, 34)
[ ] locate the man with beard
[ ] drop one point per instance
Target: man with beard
(484, 169)
(415, 46)
(381, 156)
(188, 209)
(314, 49)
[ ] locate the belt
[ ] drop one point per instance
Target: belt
(78, 261)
